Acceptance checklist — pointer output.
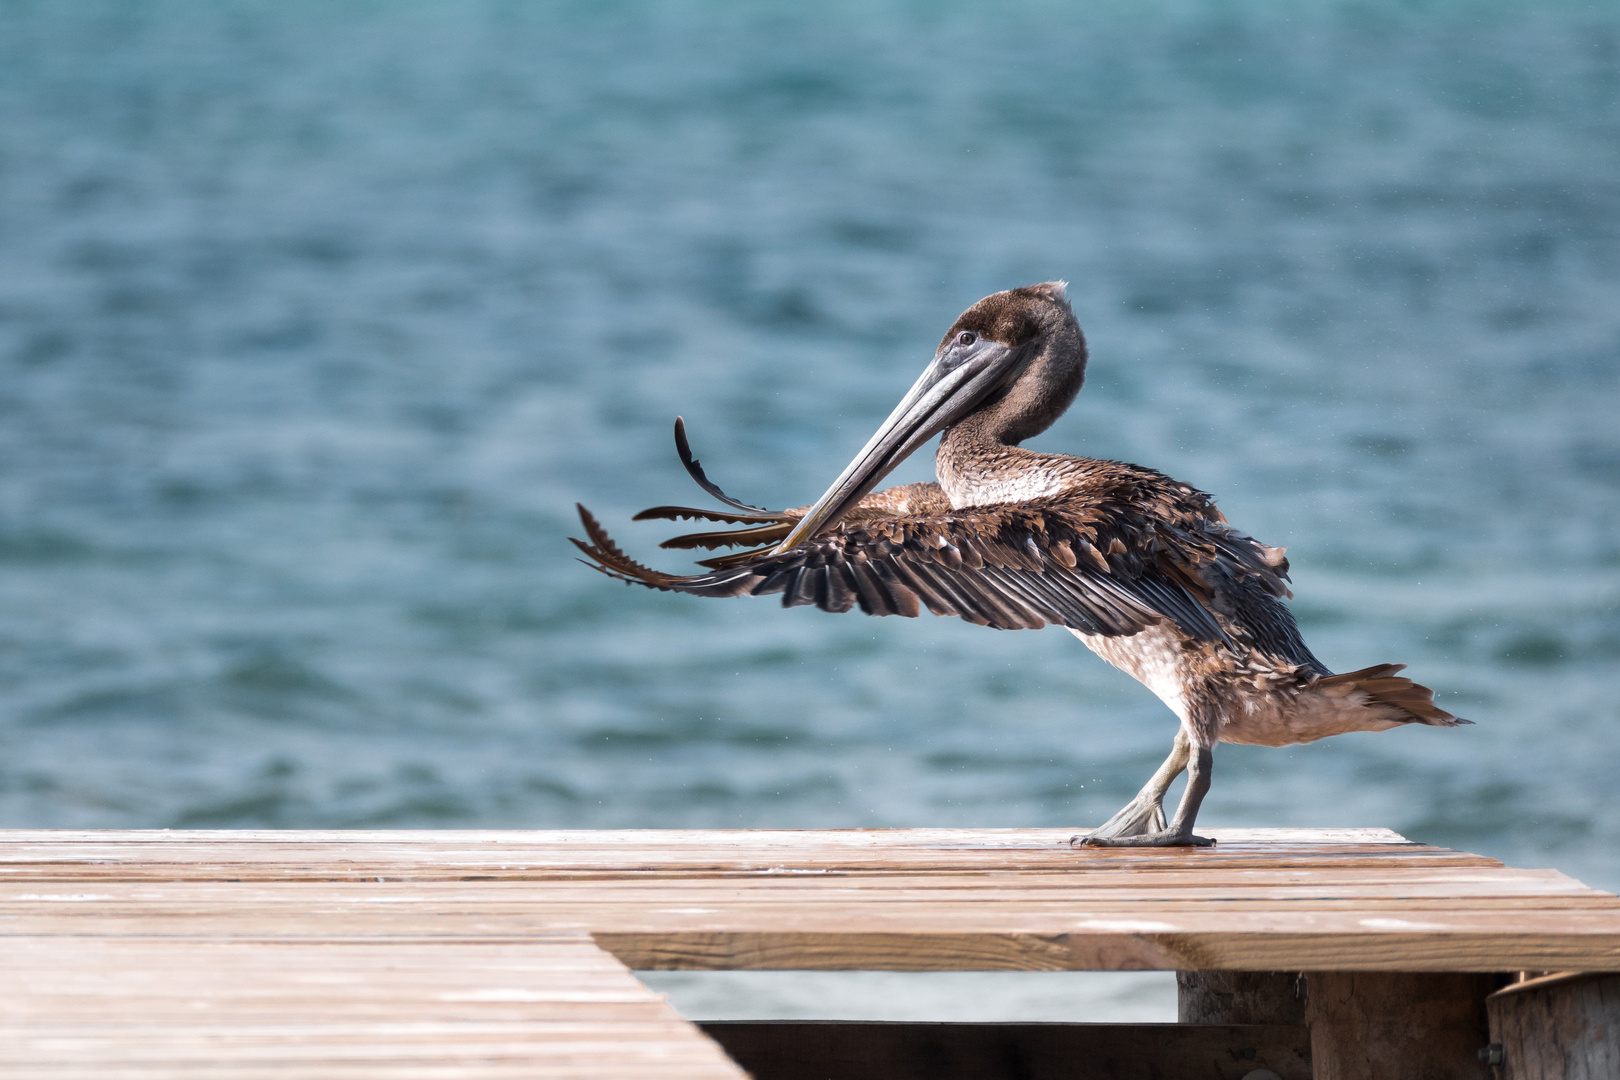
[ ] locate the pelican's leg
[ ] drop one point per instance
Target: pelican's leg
(1145, 813)
(1200, 764)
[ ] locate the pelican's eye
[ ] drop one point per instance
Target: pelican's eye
(966, 337)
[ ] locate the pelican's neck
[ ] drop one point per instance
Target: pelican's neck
(979, 459)
(976, 468)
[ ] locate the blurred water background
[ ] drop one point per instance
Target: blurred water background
(316, 318)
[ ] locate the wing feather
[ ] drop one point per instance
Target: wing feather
(1096, 568)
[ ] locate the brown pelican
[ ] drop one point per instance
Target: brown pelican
(1141, 568)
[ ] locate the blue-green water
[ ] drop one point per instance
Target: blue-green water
(316, 318)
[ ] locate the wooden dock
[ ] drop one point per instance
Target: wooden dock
(1326, 953)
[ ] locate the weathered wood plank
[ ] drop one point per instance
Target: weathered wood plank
(1483, 952)
(704, 842)
(1376, 1025)
(1572, 925)
(933, 900)
(331, 954)
(1103, 886)
(39, 855)
(1240, 997)
(1559, 1027)
(546, 1005)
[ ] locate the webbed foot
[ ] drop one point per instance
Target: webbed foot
(1139, 817)
(1154, 839)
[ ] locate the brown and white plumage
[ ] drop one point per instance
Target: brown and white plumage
(1142, 568)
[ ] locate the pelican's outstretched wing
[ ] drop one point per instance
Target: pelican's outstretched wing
(1012, 566)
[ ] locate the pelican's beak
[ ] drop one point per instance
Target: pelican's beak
(960, 378)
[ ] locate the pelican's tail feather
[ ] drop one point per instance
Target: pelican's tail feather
(1383, 686)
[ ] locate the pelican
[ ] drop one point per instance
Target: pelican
(1141, 568)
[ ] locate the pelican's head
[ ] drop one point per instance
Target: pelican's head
(1018, 352)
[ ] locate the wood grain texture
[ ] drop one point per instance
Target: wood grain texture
(1240, 997)
(1377, 1025)
(909, 899)
(412, 954)
(81, 1006)
(40, 855)
(1560, 1027)
(817, 1050)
